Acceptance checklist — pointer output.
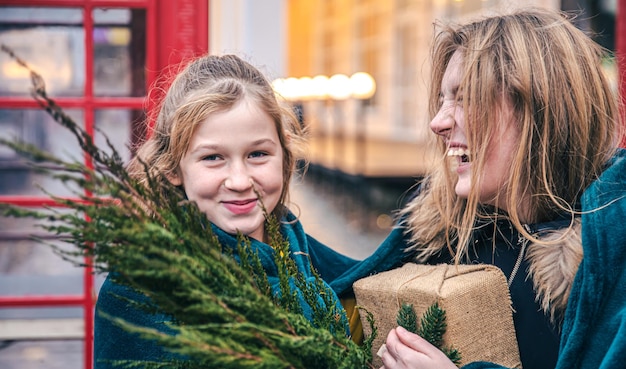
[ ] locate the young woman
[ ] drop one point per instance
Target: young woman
(532, 181)
(224, 140)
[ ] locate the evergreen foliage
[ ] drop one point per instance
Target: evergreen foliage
(224, 313)
(432, 327)
(407, 318)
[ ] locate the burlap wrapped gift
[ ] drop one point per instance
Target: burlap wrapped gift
(475, 298)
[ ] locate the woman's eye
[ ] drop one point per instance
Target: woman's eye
(459, 95)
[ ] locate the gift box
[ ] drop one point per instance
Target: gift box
(475, 299)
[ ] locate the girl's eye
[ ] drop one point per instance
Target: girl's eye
(211, 157)
(258, 154)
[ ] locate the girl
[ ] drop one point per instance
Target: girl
(223, 139)
(531, 180)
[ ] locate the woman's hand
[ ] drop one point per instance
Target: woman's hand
(406, 350)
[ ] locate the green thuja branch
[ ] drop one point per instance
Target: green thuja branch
(407, 318)
(285, 265)
(325, 314)
(369, 341)
(432, 327)
(320, 306)
(223, 309)
(251, 263)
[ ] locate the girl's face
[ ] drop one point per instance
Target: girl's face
(231, 154)
(449, 123)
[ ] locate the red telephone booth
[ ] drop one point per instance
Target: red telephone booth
(99, 59)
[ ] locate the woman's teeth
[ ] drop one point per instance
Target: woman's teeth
(457, 151)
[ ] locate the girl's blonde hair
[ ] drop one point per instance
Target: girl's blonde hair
(207, 85)
(549, 73)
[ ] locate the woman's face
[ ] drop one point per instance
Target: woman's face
(450, 125)
(232, 154)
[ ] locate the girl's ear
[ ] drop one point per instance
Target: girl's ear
(174, 178)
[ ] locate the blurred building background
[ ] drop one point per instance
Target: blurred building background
(371, 148)
(102, 59)
(385, 136)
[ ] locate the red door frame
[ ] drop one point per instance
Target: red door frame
(175, 31)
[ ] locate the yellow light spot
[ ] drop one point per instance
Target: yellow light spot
(36, 353)
(14, 71)
(118, 36)
(384, 221)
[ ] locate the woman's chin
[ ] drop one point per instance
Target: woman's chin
(462, 189)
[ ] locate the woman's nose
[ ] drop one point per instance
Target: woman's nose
(238, 179)
(443, 123)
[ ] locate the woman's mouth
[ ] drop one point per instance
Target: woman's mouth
(461, 153)
(240, 206)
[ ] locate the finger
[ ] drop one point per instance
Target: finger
(398, 355)
(403, 353)
(422, 351)
(414, 341)
(391, 343)
(388, 360)
(381, 350)
(387, 356)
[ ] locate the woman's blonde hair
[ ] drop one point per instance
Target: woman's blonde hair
(207, 85)
(549, 74)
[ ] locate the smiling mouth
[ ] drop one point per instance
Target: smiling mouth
(240, 206)
(463, 154)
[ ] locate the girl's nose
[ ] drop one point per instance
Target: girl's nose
(238, 179)
(443, 123)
